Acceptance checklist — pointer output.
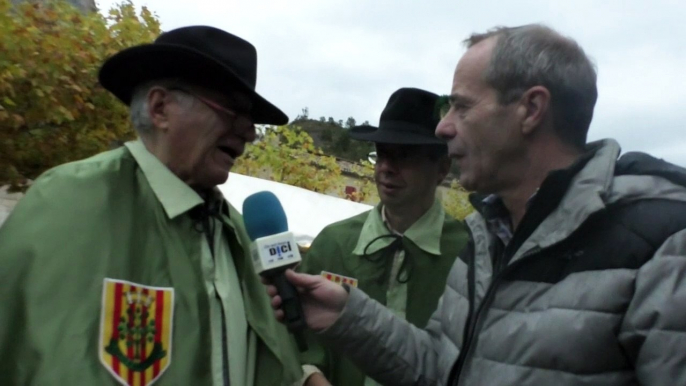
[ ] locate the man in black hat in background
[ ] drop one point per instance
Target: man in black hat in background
(400, 252)
(130, 267)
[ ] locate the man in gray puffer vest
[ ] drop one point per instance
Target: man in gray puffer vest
(576, 269)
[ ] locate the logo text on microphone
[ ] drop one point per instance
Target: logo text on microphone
(275, 251)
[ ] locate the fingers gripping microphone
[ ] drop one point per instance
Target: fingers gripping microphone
(273, 250)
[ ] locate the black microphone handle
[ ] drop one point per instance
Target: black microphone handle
(294, 317)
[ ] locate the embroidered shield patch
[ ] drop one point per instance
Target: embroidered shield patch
(135, 331)
(339, 279)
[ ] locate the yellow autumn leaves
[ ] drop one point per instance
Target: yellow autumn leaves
(52, 109)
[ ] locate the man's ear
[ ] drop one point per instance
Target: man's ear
(534, 108)
(158, 100)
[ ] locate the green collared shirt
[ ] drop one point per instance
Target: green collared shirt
(425, 233)
(219, 273)
(92, 238)
(434, 241)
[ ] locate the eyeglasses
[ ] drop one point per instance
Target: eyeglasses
(401, 155)
(235, 113)
(404, 156)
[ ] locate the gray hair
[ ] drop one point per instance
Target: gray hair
(533, 55)
(138, 108)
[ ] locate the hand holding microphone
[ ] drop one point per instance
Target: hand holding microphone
(273, 252)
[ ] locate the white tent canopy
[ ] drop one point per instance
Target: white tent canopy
(308, 212)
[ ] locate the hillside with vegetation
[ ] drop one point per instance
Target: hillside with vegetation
(331, 136)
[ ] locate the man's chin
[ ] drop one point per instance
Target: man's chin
(467, 183)
(480, 188)
(222, 178)
(213, 180)
(391, 201)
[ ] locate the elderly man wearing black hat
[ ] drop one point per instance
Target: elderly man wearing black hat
(130, 267)
(400, 252)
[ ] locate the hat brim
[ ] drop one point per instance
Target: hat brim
(386, 135)
(129, 68)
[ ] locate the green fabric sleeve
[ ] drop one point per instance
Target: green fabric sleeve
(46, 337)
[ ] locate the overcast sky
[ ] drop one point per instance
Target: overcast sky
(343, 58)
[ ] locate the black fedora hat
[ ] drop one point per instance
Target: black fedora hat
(410, 118)
(204, 56)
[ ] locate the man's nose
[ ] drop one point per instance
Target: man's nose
(250, 134)
(385, 164)
(445, 130)
(245, 128)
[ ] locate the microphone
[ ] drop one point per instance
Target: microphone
(273, 250)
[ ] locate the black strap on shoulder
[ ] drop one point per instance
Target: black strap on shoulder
(642, 164)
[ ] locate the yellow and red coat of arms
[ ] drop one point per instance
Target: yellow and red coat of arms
(339, 279)
(135, 331)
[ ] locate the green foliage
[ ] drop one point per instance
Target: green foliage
(287, 154)
(350, 123)
(456, 201)
(367, 191)
(332, 136)
(342, 146)
(52, 109)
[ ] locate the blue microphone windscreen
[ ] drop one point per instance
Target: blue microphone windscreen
(263, 215)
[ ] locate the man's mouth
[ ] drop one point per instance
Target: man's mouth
(389, 186)
(232, 152)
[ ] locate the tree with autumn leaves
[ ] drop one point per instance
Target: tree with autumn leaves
(287, 154)
(53, 110)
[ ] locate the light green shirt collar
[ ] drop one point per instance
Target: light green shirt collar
(425, 232)
(175, 195)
